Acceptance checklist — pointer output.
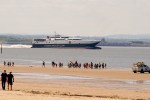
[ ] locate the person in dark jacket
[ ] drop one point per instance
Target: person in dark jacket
(4, 79)
(10, 79)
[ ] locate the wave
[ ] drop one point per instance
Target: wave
(16, 46)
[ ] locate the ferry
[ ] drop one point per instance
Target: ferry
(58, 41)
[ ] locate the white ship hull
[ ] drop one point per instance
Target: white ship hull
(63, 43)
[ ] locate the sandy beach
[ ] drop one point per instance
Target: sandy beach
(38, 89)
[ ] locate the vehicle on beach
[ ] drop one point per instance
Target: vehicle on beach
(140, 67)
(58, 41)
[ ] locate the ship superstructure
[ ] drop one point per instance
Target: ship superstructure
(58, 41)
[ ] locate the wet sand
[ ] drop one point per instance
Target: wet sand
(77, 89)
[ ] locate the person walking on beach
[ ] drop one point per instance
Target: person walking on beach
(43, 65)
(4, 79)
(10, 79)
(13, 64)
(4, 63)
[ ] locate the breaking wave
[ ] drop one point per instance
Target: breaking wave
(16, 46)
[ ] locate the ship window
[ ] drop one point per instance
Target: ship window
(74, 39)
(69, 42)
(60, 39)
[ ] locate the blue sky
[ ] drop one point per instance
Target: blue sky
(75, 17)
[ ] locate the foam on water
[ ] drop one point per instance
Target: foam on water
(16, 46)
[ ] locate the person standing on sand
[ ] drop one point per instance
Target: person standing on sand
(10, 79)
(4, 79)
(13, 64)
(4, 63)
(43, 65)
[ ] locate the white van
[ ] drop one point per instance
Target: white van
(140, 67)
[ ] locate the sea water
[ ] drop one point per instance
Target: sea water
(121, 58)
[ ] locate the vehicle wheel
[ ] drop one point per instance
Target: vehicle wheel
(142, 71)
(135, 71)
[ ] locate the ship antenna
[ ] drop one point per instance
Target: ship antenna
(55, 33)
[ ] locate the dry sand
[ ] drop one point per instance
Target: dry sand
(27, 89)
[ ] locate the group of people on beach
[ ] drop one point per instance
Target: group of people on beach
(7, 78)
(95, 66)
(9, 64)
(76, 64)
(90, 65)
(53, 64)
